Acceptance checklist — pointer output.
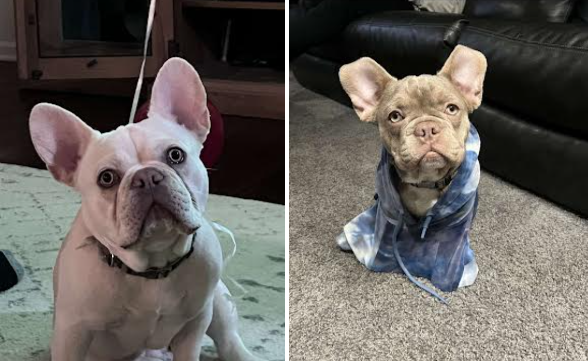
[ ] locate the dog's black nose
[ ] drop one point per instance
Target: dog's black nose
(427, 131)
(147, 178)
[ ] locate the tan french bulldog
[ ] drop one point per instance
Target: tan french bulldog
(423, 120)
(140, 268)
(433, 149)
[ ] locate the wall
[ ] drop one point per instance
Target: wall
(7, 37)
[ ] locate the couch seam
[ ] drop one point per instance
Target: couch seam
(372, 25)
(474, 29)
(569, 11)
(403, 25)
(518, 40)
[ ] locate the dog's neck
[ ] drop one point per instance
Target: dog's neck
(418, 196)
(418, 201)
(179, 246)
(140, 257)
(150, 271)
(438, 185)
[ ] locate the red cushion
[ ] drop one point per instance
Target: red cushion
(213, 146)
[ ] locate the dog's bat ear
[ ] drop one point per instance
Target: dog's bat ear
(466, 69)
(364, 80)
(60, 138)
(179, 95)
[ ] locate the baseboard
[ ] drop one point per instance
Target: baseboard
(7, 51)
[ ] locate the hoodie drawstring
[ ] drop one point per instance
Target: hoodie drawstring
(426, 226)
(397, 230)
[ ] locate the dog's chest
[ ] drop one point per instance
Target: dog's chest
(418, 201)
(153, 317)
(151, 312)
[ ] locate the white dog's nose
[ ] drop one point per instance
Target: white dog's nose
(147, 178)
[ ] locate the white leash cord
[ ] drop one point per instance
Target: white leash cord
(150, 18)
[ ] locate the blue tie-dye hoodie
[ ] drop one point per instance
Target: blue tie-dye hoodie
(387, 238)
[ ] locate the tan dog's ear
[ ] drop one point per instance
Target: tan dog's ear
(364, 80)
(466, 69)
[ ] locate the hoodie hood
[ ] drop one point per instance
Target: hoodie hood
(451, 207)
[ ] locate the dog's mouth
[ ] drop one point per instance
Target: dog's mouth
(432, 160)
(160, 223)
(158, 217)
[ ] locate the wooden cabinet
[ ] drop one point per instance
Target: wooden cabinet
(95, 46)
(66, 39)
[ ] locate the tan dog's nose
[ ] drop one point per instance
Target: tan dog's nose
(427, 131)
(147, 178)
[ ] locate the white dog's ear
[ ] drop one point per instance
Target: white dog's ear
(466, 69)
(60, 138)
(364, 80)
(179, 95)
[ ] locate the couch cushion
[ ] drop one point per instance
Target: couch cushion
(402, 42)
(555, 11)
(582, 10)
(332, 50)
(535, 158)
(440, 6)
(538, 71)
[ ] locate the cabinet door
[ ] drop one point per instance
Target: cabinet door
(85, 39)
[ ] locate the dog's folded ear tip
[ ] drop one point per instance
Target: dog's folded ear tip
(40, 107)
(39, 113)
(176, 59)
(343, 72)
(363, 61)
(48, 107)
(462, 49)
(178, 63)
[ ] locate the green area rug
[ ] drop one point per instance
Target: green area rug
(35, 215)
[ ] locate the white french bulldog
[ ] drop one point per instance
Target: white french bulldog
(140, 268)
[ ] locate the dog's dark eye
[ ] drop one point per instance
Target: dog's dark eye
(107, 178)
(452, 109)
(395, 116)
(175, 155)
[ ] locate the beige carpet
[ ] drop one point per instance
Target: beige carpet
(530, 301)
(35, 213)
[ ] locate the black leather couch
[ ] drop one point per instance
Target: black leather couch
(534, 118)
